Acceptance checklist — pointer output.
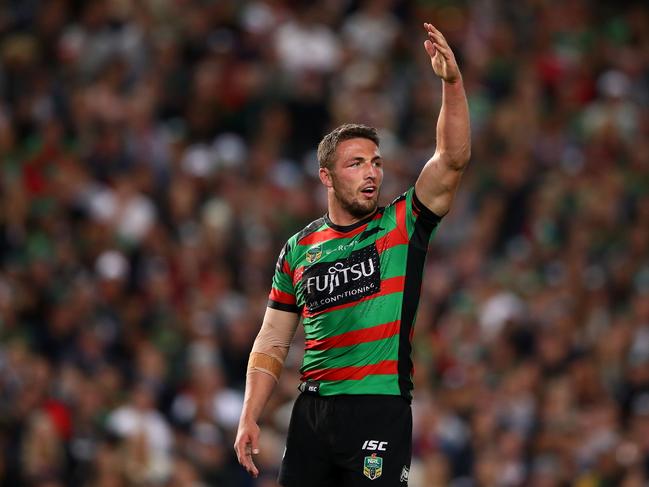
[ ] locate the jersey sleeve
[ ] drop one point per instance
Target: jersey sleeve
(415, 220)
(282, 293)
(419, 211)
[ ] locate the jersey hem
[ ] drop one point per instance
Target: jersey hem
(424, 211)
(290, 308)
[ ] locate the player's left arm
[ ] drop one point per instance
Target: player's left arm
(441, 175)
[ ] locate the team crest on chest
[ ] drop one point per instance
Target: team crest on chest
(313, 254)
(373, 467)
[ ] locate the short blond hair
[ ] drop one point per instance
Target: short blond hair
(329, 143)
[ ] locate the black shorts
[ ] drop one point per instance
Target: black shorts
(348, 441)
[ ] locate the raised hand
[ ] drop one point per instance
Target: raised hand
(442, 58)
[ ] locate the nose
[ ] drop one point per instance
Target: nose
(373, 172)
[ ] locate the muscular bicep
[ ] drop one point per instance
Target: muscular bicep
(437, 184)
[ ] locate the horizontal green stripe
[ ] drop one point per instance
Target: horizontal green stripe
(335, 254)
(353, 355)
(372, 384)
(393, 261)
(326, 245)
(284, 285)
(382, 309)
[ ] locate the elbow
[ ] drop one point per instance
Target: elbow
(467, 153)
(464, 154)
(461, 161)
(442, 204)
(458, 160)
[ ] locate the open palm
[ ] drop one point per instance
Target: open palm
(442, 58)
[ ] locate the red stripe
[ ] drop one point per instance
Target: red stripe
(400, 209)
(329, 234)
(355, 337)
(388, 286)
(391, 239)
(297, 275)
(285, 268)
(281, 296)
(385, 367)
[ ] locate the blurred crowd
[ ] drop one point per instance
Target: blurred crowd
(156, 154)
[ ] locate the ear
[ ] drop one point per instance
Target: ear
(325, 177)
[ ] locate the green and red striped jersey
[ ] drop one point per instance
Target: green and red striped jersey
(357, 289)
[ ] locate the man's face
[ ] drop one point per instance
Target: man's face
(356, 176)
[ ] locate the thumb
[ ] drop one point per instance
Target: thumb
(254, 443)
(430, 48)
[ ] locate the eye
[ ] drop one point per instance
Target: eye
(378, 163)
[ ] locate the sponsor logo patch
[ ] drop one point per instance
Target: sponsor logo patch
(373, 467)
(328, 284)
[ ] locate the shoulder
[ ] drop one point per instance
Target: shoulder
(408, 213)
(403, 197)
(298, 238)
(311, 228)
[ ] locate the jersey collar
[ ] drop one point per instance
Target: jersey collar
(353, 226)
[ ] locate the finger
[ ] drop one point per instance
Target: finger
(252, 449)
(244, 456)
(239, 448)
(443, 50)
(437, 37)
(430, 48)
(432, 28)
(433, 32)
(243, 448)
(251, 443)
(250, 466)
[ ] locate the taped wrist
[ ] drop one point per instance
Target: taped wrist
(265, 363)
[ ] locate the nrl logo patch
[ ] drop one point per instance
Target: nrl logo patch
(313, 254)
(373, 467)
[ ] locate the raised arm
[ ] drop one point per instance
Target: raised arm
(264, 367)
(441, 175)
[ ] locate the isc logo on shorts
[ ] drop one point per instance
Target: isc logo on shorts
(372, 445)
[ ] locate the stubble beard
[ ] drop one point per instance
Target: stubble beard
(357, 209)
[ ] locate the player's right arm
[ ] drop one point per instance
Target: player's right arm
(264, 367)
